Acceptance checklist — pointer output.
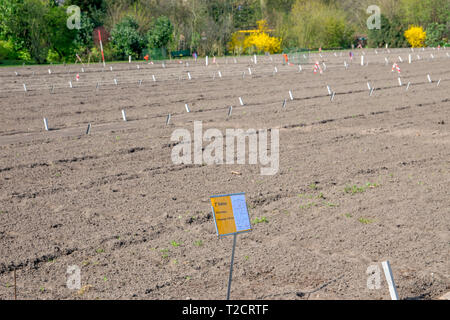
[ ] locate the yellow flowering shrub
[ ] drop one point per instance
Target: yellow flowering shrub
(416, 36)
(257, 41)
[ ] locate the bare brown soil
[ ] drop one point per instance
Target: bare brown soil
(362, 179)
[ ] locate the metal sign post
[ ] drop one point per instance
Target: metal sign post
(231, 267)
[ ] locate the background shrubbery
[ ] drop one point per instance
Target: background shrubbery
(36, 29)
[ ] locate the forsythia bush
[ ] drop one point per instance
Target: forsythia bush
(415, 36)
(256, 41)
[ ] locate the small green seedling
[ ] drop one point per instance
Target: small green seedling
(365, 221)
(313, 186)
(99, 250)
(198, 243)
(259, 220)
(175, 244)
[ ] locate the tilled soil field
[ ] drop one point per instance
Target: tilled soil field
(362, 179)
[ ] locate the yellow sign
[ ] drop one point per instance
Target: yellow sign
(230, 214)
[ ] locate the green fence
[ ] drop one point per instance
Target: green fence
(297, 55)
(156, 54)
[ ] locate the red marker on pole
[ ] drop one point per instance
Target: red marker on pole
(101, 47)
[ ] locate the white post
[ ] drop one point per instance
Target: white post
(390, 280)
(240, 101)
(124, 115)
(46, 124)
(187, 108)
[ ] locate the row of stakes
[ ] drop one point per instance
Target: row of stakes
(331, 93)
(275, 71)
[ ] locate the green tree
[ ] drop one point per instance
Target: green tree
(436, 34)
(126, 39)
(161, 33)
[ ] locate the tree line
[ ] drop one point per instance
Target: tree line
(36, 30)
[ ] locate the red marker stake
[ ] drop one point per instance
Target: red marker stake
(101, 47)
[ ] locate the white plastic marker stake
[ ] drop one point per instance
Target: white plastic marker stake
(400, 59)
(70, 84)
(368, 86)
(206, 60)
(345, 64)
(24, 87)
(386, 60)
(332, 96)
(187, 108)
(362, 60)
(82, 70)
(110, 68)
(46, 124)
(189, 76)
(390, 280)
(230, 110)
(220, 74)
(329, 90)
(115, 81)
(240, 101)
(299, 68)
(138, 67)
(124, 116)
(154, 79)
(429, 78)
(49, 71)
(407, 86)
(284, 104)
(249, 71)
(16, 73)
(324, 66)
(399, 81)
(235, 61)
(438, 83)
(168, 119)
(129, 59)
(290, 95)
(88, 129)
(409, 58)
(431, 55)
(371, 92)
(140, 82)
(254, 58)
